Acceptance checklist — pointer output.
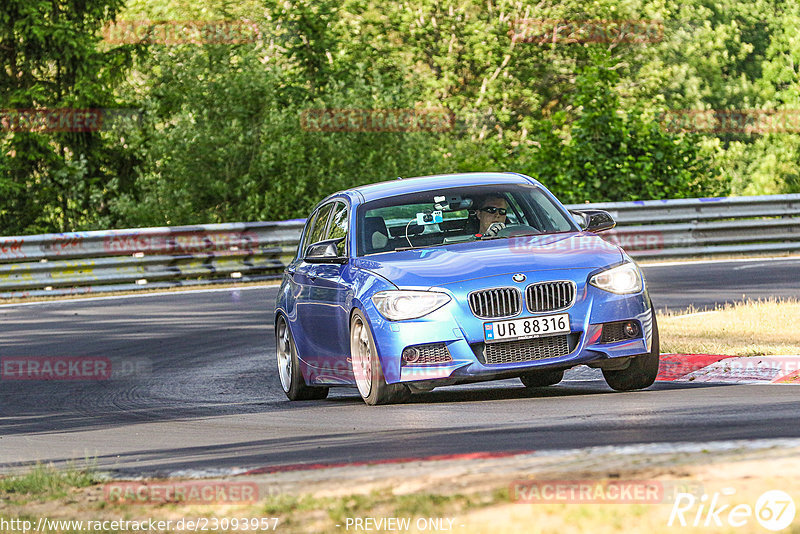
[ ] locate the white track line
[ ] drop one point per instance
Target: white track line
(727, 260)
(695, 314)
(153, 294)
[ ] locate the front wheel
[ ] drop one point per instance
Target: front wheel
(367, 366)
(641, 372)
(542, 378)
(289, 367)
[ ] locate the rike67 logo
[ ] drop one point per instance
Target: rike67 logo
(773, 510)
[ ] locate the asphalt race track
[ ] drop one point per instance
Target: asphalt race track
(704, 285)
(202, 391)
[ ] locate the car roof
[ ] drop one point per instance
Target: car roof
(422, 183)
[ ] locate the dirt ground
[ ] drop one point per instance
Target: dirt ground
(493, 495)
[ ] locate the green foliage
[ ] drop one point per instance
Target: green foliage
(223, 141)
(607, 153)
(46, 482)
(221, 137)
(49, 59)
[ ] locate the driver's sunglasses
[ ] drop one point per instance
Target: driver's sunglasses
(493, 210)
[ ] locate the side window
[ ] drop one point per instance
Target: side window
(556, 222)
(306, 231)
(320, 224)
(514, 210)
(338, 227)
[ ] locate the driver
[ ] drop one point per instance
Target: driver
(492, 215)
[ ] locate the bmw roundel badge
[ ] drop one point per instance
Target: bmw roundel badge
(519, 277)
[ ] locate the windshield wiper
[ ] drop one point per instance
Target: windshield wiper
(401, 249)
(529, 234)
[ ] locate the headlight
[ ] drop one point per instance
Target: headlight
(398, 305)
(622, 279)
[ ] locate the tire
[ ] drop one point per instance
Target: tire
(542, 378)
(367, 368)
(289, 373)
(642, 371)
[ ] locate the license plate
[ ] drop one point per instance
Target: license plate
(528, 328)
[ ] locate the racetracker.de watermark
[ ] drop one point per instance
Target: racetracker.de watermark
(560, 31)
(377, 120)
(177, 32)
(47, 120)
(525, 243)
(610, 491)
(731, 121)
(73, 368)
(203, 492)
(149, 525)
(322, 370)
(778, 369)
(636, 241)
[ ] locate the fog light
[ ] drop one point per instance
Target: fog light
(631, 329)
(410, 354)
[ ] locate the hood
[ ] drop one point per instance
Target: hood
(428, 267)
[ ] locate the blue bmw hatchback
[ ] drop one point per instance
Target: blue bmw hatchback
(399, 287)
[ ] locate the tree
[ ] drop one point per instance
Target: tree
(49, 60)
(606, 153)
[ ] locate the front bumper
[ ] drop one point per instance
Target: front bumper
(462, 333)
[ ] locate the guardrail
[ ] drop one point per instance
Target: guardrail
(705, 226)
(120, 260)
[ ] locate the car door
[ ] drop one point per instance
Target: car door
(322, 304)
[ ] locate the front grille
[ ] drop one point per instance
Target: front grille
(613, 332)
(526, 350)
(432, 353)
(550, 296)
(494, 303)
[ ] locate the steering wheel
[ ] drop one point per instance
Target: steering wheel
(518, 229)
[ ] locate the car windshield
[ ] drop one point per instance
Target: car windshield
(448, 216)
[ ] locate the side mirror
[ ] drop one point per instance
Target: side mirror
(579, 219)
(325, 252)
(594, 220)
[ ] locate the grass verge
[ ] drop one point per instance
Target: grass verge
(487, 506)
(751, 328)
(45, 482)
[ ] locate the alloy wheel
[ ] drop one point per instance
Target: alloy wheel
(284, 353)
(361, 354)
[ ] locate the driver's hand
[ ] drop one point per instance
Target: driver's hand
(494, 229)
